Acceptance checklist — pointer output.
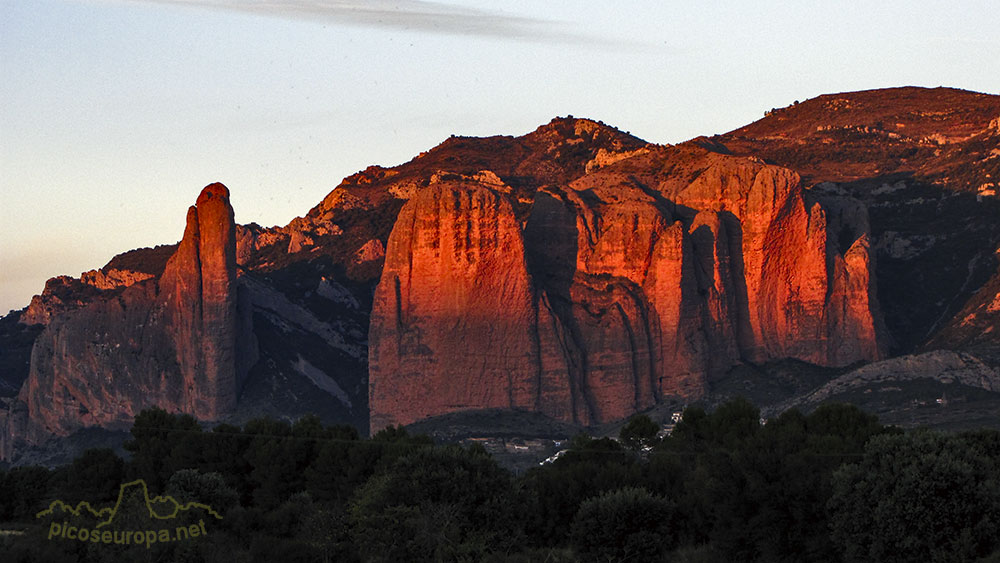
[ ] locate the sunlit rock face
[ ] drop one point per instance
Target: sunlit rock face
(199, 292)
(805, 297)
(456, 322)
(182, 342)
(648, 276)
(575, 271)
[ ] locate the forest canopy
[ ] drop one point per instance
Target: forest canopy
(830, 485)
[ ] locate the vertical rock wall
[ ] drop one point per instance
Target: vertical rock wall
(182, 342)
(199, 294)
(614, 292)
(456, 323)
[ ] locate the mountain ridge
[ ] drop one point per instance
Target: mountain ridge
(863, 189)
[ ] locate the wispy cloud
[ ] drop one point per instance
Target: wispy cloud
(410, 15)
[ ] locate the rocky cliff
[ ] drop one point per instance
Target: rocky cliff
(454, 322)
(183, 341)
(575, 271)
(924, 162)
(647, 275)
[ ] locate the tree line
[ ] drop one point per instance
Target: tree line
(832, 485)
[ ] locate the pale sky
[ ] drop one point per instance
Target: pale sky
(114, 114)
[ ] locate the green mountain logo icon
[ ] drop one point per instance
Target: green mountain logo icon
(136, 518)
(133, 497)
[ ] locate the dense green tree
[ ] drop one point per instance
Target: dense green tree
(342, 464)
(310, 426)
(774, 506)
(552, 493)
(640, 432)
(758, 493)
(264, 548)
(223, 452)
(585, 447)
(436, 504)
(277, 460)
(343, 433)
(922, 496)
(842, 428)
(190, 485)
(692, 429)
(736, 490)
(580, 441)
(49, 552)
(398, 435)
(624, 525)
(94, 476)
(985, 442)
(328, 532)
(734, 422)
(161, 444)
(731, 424)
(391, 434)
(23, 492)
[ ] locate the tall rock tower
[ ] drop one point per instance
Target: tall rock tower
(183, 342)
(199, 292)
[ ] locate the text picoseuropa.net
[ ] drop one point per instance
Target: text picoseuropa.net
(126, 537)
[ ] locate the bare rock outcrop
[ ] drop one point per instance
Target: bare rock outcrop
(113, 278)
(62, 294)
(576, 271)
(199, 293)
(183, 342)
(944, 366)
(370, 251)
(621, 287)
(455, 321)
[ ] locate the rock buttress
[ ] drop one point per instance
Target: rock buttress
(183, 342)
(806, 296)
(453, 320)
(619, 291)
(199, 291)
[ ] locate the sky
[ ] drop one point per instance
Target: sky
(114, 114)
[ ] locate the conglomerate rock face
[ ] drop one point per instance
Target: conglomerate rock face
(456, 321)
(199, 294)
(182, 342)
(575, 271)
(637, 280)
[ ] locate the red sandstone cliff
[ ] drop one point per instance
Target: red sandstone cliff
(198, 291)
(456, 323)
(575, 271)
(647, 275)
(182, 342)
